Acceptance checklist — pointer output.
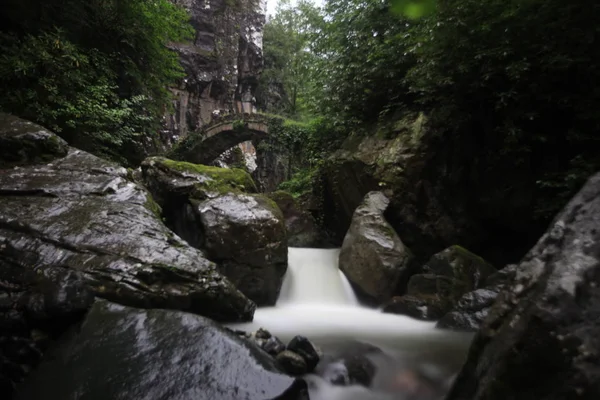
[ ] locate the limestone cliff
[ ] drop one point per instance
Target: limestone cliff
(223, 61)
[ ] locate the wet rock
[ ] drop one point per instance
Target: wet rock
(372, 255)
(467, 269)
(301, 228)
(35, 308)
(80, 213)
(540, 339)
(126, 353)
(292, 363)
(471, 310)
(351, 364)
(23, 142)
(262, 334)
(441, 283)
(428, 308)
(302, 346)
(244, 233)
(273, 346)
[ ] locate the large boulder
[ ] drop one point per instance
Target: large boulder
(541, 338)
(81, 213)
(77, 228)
(35, 308)
(127, 353)
(473, 307)
(209, 207)
(441, 283)
(300, 225)
(372, 255)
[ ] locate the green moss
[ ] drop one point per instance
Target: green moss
(153, 206)
(467, 254)
(271, 205)
(220, 180)
(281, 196)
(239, 125)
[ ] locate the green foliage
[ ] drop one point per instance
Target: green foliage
(96, 72)
(287, 84)
(511, 80)
(364, 52)
(305, 142)
(516, 76)
(413, 9)
(301, 181)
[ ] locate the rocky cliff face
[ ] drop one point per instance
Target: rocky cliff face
(443, 190)
(221, 64)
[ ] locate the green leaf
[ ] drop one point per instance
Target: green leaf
(413, 9)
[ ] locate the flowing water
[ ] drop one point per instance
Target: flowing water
(317, 301)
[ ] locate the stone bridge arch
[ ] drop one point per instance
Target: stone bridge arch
(222, 135)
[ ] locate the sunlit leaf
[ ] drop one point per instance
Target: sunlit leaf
(413, 9)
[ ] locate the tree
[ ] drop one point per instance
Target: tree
(95, 71)
(287, 83)
(516, 76)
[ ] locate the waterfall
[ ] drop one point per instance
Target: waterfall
(313, 277)
(317, 301)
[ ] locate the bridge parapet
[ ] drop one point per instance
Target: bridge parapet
(206, 144)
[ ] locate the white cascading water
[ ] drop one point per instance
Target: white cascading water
(317, 301)
(313, 278)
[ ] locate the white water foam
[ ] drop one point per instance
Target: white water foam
(317, 301)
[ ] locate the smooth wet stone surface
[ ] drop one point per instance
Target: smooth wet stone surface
(81, 213)
(291, 362)
(127, 353)
(302, 346)
(243, 232)
(541, 339)
(473, 307)
(301, 227)
(372, 256)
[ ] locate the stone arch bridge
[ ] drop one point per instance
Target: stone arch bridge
(205, 145)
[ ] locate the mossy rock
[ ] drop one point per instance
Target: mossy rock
(201, 181)
(462, 265)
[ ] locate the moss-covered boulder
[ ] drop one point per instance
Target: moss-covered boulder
(372, 256)
(473, 307)
(300, 225)
(217, 210)
(460, 264)
(163, 176)
(442, 282)
(23, 142)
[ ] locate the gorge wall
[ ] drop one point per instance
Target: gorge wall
(223, 61)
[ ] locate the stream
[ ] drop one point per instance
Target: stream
(418, 361)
